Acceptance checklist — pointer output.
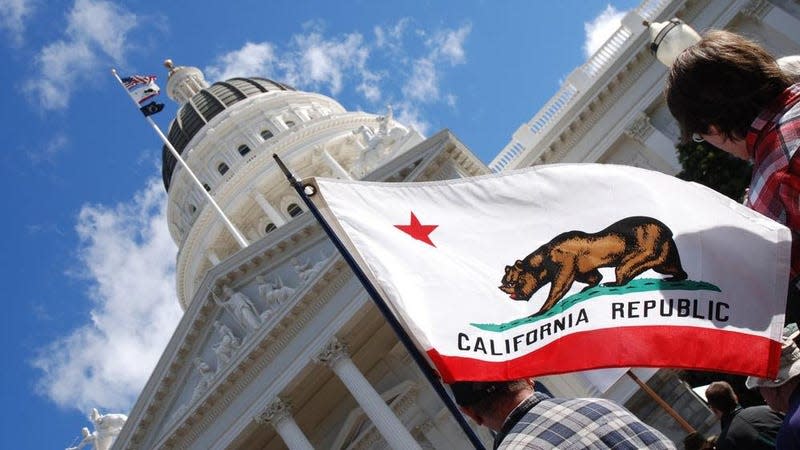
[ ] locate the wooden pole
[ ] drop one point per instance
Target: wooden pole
(681, 421)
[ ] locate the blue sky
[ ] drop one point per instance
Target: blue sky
(87, 260)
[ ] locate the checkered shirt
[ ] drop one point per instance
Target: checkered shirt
(542, 422)
(772, 141)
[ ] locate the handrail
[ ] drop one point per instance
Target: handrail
(528, 135)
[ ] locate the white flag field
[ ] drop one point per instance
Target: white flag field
(570, 267)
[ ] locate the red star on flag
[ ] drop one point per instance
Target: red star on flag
(417, 230)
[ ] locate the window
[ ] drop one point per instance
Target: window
(222, 168)
(270, 227)
(294, 210)
(207, 187)
(289, 123)
(243, 149)
(265, 134)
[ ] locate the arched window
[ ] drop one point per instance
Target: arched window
(222, 168)
(270, 227)
(207, 187)
(243, 150)
(266, 134)
(289, 123)
(294, 210)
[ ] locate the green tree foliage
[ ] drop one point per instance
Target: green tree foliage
(705, 164)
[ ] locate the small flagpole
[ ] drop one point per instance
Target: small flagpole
(404, 338)
(687, 427)
(231, 227)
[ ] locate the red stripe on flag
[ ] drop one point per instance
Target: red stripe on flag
(678, 347)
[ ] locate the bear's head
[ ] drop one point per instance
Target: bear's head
(519, 283)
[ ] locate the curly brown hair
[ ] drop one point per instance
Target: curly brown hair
(724, 80)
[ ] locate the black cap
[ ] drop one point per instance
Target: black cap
(468, 393)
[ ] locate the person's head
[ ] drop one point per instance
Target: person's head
(777, 392)
(489, 402)
(721, 398)
(717, 87)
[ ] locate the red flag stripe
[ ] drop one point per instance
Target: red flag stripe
(687, 348)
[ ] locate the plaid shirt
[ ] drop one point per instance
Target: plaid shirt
(542, 422)
(772, 141)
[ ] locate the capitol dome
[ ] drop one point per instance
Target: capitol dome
(203, 106)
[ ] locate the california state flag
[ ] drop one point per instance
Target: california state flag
(569, 267)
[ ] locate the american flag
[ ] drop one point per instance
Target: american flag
(135, 80)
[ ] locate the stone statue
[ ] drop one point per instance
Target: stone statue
(263, 286)
(241, 308)
(206, 376)
(275, 294)
(88, 438)
(227, 345)
(305, 270)
(383, 128)
(106, 429)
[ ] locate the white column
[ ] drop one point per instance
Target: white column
(279, 415)
(212, 257)
(268, 209)
(335, 166)
(335, 356)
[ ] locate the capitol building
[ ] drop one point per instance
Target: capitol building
(279, 345)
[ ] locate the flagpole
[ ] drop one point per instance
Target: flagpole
(687, 427)
(404, 338)
(231, 227)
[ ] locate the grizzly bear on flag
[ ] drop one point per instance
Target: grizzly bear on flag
(632, 245)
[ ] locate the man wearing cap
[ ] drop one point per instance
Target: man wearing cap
(525, 419)
(782, 394)
(753, 428)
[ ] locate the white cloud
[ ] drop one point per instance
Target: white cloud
(102, 23)
(13, 14)
(49, 151)
(409, 114)
(326, 61)
(448, 45)
(96, 32)
(446, 50)
(391, 37)
(423, 84)
(416, 62)
(600, 29)
(370, 86)
(128, 257)
(250, 60)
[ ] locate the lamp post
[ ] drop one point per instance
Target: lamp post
(668, 39)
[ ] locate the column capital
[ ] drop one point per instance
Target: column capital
(640, 128)
(757, 9)
(334, 351)
(276, 412)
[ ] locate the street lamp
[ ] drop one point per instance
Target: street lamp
(669, 39)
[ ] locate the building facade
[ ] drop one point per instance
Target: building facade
(279, 345)
(611, 109)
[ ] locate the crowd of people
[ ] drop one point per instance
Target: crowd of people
(729, 91)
